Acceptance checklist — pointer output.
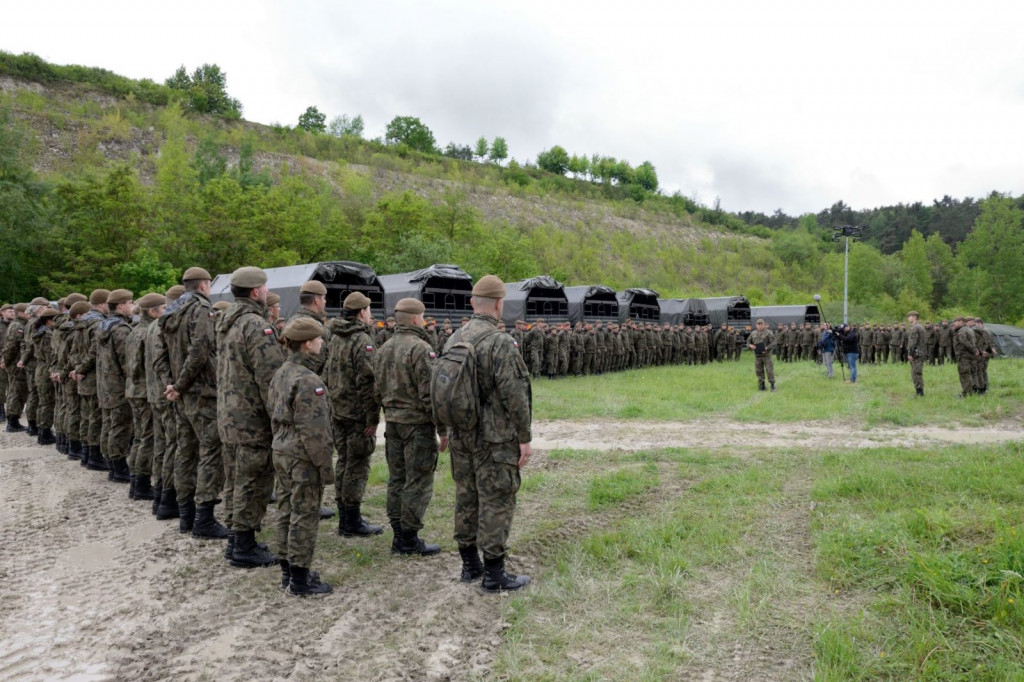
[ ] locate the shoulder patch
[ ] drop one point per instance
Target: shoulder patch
(319, 390)
(268, 331)
(515, 343)
(369, 348)
(433, 355)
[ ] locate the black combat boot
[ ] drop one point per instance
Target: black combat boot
(59, 446)
(143, 489)
(3, 412)
(920, 393)
(119, 471)
(410, 543)
(396, 541)
(158, 492)
(773, 387)
(96, 462)
(230, 549)
(14, 425)
(352, 524)
(33, 430)
(131, 487)
(86, 454)
(248, 554)
(207, 525)
(75, 449)
(46, 437)
(286, 575)
(497, 580)
(760, 385)
(472, 567)
(168, 507)
(302, 585)
(186, 515)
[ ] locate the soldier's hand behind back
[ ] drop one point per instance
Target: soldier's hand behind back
(525, 452)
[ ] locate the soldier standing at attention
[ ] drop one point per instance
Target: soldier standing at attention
(313, 303)
(965, 347)
(83, 356)
(916, 351)
(111, 341)
(945, 343)
(401, 372)
(300, 418)
(987, 346)
(355, 412)
(44, 384)
(137, 391)
(248, 355)
(17, 388)
(762, 342)
(165, 439)
(6, 317)
(487, 460)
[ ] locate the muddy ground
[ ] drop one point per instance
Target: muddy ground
(92, 587)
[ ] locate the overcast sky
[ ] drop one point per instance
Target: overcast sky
(765, 104)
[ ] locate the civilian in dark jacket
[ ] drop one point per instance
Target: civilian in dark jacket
(851, 348)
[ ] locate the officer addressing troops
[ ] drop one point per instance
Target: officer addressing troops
(762, 342)
(486, 458)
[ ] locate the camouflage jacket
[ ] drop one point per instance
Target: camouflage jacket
(916, 340)
(766, 337)
(63, 338)
(27, 356)
(248, 354)
(965, 343)
(187, 328)
(945, 336)
(12, 343)
(111, 339)
(349, 372)
(305, 312)
(534, 340)
(300, 416)
(43, 339)
(83, 350)
(158, 365)
(401, 371)
(135, 360)
(506, 399)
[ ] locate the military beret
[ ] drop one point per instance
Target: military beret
(153, 300)
(489, 286)
(914, 313)
(390, 319)
(79, 308)
(273, 299)
(221, 305)
(759, 321)
(60, 302)
(118, 296)
(47, 312)
(313, 287)
(74, 298)
(5, 306)
(99, 296)
(978, 319)
(303, 328)
(410, 305)
(356, 301)
(175, 292)
(21, 307)
(540, 320)
(39, 300)
(248, 278)
(194, 274)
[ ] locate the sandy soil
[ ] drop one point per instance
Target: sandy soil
(93, 588)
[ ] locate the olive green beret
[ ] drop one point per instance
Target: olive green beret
(273, 299)
(47, 312)
(175, 292)
(914, 313)
(248, 278)
(79, 308)
(5, 306)
(410, 305)
(39, 300)
(221, 305)
(303, 328)
(74, 298)
(313, 287)
(489, 286)
(356, 301)
(118, 296)
(195, 273)
(153, 300)
(99, 296)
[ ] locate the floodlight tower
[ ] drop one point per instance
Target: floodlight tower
(848, 232)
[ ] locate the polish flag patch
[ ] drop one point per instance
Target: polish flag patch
(319, 390)
(369, 349)
(433, 355)
(268, 332)
(515, 343)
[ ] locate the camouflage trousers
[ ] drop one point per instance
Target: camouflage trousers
(165, 441)
(17, 391)
(140, 461)
(3, 387)
(249, 494)
(981, 374)
(90, 419)
(71, 418)
(353, 467)
(486, 479)
(411, 451)
(763, 365)
(536, 362)
(917, 372)
(117, 433)
(944, 353)
(47, 396)
(32, 394)
(894, 354)
(589, 363)
(965, 368)
(198, 464)
(299, 491)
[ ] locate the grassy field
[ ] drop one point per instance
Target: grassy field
(795, 563)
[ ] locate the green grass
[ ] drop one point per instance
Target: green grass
(882, 396)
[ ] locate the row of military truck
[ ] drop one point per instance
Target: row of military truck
(445, 291)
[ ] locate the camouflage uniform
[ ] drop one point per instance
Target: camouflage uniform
(916, 349)
(763, 359)
(966, 350)
(945, 343)
(300, 419)
(165, 414)
(28, 362)
(136, 391)
(401, 371)
(84, 358)
(68, 414)
(306, 312)
(43, 350)
(535, 344)
(485, 462)
(17, 387)
(111, 338)
(3, 371)
(248, 355)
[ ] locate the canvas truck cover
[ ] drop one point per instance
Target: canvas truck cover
(774, 315)
(540, 296)
(639, 304)
(590, 303)
(1009, 340)
(444, 290)
(339, 277)
(733, 310)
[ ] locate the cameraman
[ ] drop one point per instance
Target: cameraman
(850, 343)
(827, 345)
